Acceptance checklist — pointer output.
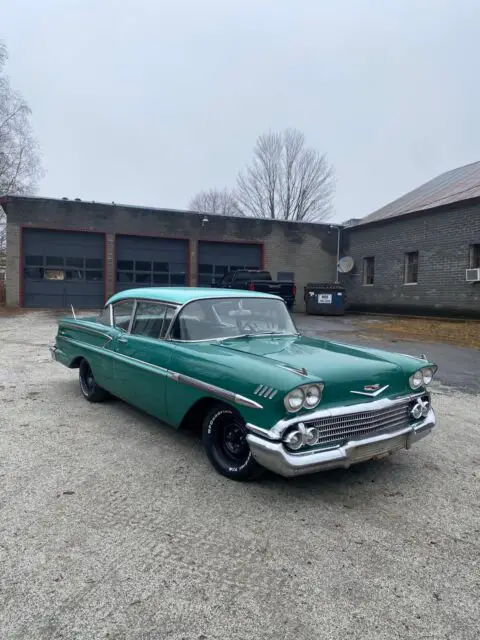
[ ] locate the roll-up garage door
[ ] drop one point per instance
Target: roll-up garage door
(216, 258)
(150, 262)
(63, 268)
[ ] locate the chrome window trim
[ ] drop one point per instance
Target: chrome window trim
(132, 317)
(122, 301)
(134, 314)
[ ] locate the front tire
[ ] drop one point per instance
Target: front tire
(91, 391)
(226, 446)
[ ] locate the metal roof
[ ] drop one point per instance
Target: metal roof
(182, 295)
(452, 186)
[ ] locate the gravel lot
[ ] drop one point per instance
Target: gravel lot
(115, 526)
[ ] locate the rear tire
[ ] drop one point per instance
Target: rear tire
(226, 446)
(91, 391)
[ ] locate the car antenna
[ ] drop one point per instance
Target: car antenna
(73, 312)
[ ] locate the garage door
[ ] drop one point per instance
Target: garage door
(216, 258)
(63, 268)
(151, 262)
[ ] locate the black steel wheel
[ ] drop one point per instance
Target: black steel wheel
(226, 446)
(88, 386)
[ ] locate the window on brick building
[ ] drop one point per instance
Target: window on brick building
(368, 270)
(411, 267)
(475, 256)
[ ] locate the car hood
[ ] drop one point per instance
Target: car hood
(343, 368)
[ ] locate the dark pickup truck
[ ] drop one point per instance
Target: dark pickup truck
(259, 281)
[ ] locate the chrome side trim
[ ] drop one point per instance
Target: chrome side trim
(146, 366)
(90, 330)
(276, 432)
(230, 396)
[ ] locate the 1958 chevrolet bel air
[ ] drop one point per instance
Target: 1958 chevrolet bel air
(234, 362)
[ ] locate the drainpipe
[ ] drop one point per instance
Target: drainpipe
(333, 226)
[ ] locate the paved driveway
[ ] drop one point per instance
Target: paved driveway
(114, 526)
(459, 367)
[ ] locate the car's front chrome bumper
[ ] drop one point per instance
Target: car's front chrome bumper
(53, 352)
(274, 456)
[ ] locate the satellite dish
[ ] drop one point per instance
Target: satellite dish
(345, 264)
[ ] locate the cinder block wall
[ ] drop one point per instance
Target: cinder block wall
(442, 239)
(309, 250)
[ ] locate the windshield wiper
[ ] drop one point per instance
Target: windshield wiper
(259, 335)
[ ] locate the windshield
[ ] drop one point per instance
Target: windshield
(232, 317)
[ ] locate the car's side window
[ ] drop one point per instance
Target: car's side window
(104, 316)
(150, 319)
(167, 321)
(122, 314)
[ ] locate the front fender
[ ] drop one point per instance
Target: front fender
(200, 370)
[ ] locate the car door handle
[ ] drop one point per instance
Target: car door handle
(123, 339)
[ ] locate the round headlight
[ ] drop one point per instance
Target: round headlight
(427, 374)
(294, 400)
(293, 440)
(313, 395)
(311, 436)
(416, 380)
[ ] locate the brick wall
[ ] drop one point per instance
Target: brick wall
(442, 238)
(309, 250)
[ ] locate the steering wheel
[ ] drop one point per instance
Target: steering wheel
(249, 326)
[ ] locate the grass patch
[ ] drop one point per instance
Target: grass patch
(464, 333)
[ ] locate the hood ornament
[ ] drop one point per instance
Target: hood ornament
(371, 390)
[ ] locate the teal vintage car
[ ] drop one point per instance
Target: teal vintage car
(234, 363)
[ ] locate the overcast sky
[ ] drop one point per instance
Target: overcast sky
(146, 102)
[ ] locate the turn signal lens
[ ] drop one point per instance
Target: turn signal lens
(417, 411)
(311, 436)
(293, 440)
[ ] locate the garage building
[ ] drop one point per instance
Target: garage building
(63, 252)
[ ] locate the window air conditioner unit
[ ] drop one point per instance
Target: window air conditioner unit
(472, 275)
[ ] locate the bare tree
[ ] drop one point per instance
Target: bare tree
(286, 180)
(20, 164)
(221, 202)
(3, 232)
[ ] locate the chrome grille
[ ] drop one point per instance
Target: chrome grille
(353, 425)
